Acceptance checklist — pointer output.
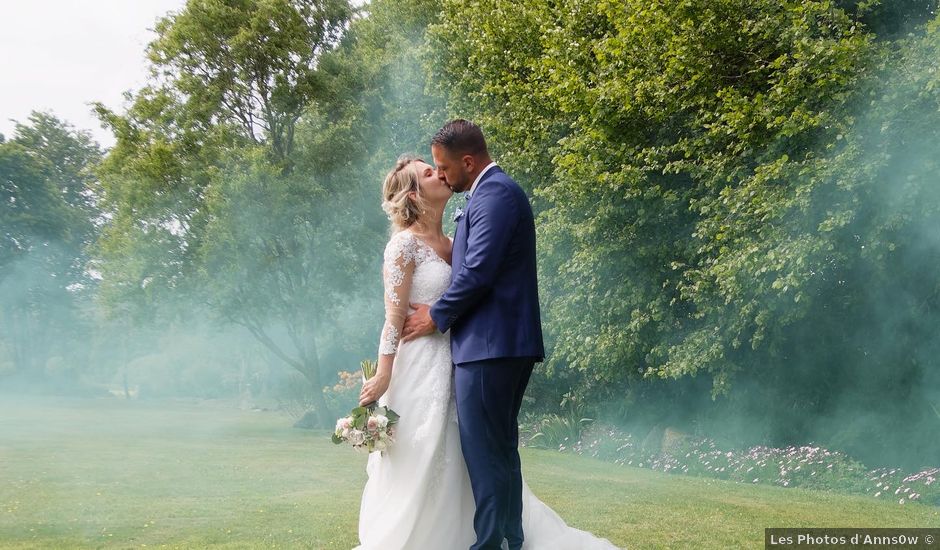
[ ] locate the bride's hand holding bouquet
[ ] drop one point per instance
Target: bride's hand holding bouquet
(368, 426)
(374, 384)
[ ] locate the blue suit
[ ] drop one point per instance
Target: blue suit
(492, 311)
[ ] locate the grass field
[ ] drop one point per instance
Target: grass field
(109, 473)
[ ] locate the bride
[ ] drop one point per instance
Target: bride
(418, 494)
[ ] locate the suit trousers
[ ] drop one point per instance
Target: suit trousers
(489, 395)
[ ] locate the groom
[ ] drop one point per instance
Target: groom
(492, 311)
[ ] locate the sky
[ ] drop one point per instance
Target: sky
(60, 55)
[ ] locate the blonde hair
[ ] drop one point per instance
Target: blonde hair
(402, 210)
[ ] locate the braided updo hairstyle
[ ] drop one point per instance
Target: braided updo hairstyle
(402, 210)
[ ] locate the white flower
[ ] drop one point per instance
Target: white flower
(381, 420)
(357, 437)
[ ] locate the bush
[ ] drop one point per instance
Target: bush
(559, 431)
(810, 467)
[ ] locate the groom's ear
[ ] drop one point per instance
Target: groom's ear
(469, 162)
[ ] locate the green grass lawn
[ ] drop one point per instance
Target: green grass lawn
(109, 473)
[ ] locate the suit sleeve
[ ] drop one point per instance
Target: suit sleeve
(493, 221)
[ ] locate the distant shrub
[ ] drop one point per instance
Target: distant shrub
(560, 430)
(294, 395)
(807, 466)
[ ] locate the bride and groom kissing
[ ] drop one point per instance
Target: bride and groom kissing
(462, 333)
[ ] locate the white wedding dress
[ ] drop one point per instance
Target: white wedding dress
(418, 494)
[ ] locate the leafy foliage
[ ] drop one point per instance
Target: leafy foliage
(725, 188)
(737, 200)
(48, 216)
(252, 63)
(237, 184)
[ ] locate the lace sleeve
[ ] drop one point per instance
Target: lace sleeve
(397, 272)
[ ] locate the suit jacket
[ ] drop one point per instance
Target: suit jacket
(492, 304)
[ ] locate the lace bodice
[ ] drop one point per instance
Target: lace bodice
(412, 273)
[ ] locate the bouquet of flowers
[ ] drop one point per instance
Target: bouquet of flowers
(370, 427)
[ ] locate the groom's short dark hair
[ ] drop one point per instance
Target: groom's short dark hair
(460, 137)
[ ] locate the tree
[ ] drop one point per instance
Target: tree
(47, 214)
(278, 259)
(707, 172)
(208, 206)
(251, 63)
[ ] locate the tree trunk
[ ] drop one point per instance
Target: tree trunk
(319, 415)
(127, 391)
(306, 363)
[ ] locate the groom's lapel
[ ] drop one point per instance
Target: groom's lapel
(463, 223)
(460, 231)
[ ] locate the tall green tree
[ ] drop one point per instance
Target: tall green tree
(48, 215)
(377, 107)
(249, 63)
(710, 170)
(279, 258)
(207, 204)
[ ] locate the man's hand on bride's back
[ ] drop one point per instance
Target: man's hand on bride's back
(418, 324)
